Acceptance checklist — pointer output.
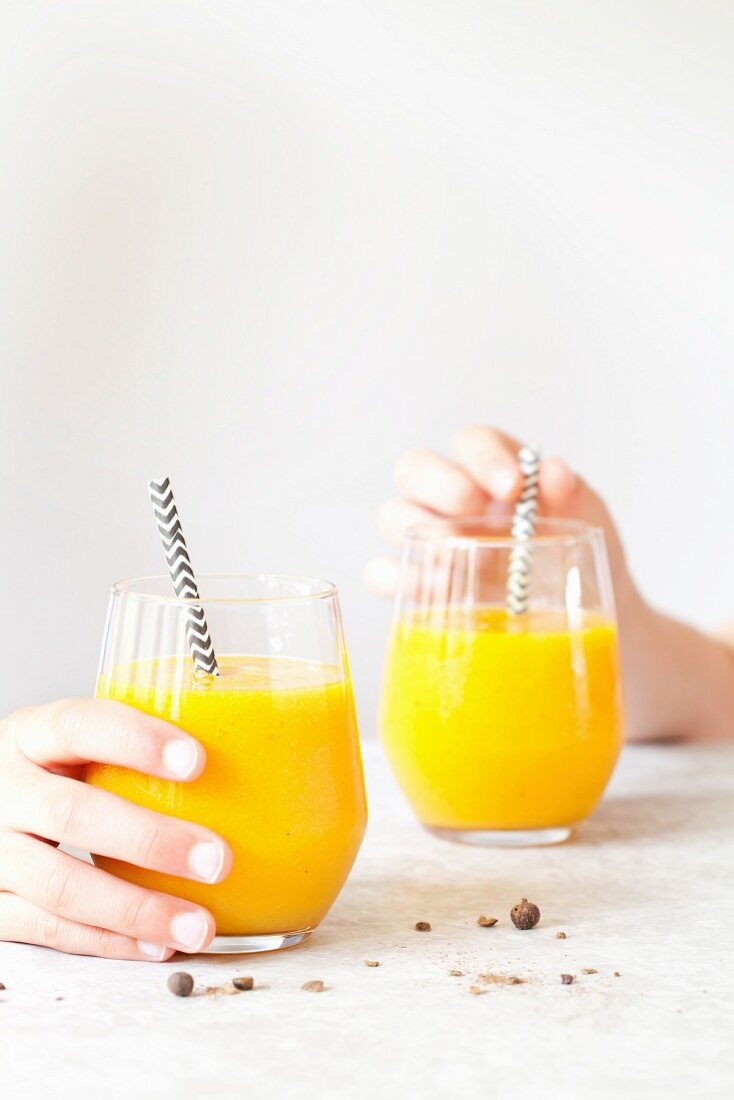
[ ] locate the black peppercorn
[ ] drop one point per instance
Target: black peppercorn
(525, 915)
(243, 983)
(180, 983)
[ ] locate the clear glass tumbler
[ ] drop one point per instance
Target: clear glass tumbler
(283, 778)
(502, 729)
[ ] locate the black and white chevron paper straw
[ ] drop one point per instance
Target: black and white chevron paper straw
(523, 529)
(182, 574)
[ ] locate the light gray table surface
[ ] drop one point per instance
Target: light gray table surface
(646, 890)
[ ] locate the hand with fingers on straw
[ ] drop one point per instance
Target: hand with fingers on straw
(678, 681)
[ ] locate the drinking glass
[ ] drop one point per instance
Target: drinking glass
(283, 778)
(502, 729)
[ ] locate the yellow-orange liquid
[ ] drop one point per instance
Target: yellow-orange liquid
(282, 783)
(494, 722)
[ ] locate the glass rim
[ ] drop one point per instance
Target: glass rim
(563, 532)
(322, 590)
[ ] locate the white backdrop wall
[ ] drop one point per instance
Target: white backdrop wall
(265, 246)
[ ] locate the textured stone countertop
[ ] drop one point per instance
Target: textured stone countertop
(646, 890)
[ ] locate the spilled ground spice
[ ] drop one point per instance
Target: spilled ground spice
(371, 962)
(476, 990)
(456, 973)
(314, 987)
(490, 978)
(560, 935)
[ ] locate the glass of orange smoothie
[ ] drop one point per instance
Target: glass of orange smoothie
(502, 729)
(283, 777)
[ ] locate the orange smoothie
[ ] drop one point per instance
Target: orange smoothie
(282, 783)
(493, 722)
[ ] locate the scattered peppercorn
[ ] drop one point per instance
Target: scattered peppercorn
(589, 970)
(525, 915)
(567, 979)
(243, 983)
(486, 922)
(422, 926)
(371, 962)
(313, 987)
(560, 935)
(180, 983)
(617, 974)
(1, 986)
(456, 973)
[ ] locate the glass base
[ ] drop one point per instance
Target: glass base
(505, 838)
(251, 945)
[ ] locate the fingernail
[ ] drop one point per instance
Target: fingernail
(206, 860)
(180, 758)
(557, 480)
(190, 930)
(502, 481)
(569, 477)
(152, 950)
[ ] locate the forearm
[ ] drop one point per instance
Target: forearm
(678, 681)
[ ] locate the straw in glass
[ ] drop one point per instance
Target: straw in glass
(182, 574)
(523, 529)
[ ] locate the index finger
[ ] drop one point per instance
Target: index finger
(490, 457)
(77, 731)
(433, 481)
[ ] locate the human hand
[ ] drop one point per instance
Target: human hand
(678, 682)
(483, 478)
(50, 898)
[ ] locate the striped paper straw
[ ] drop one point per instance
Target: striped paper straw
(523, 529)
(182, 574)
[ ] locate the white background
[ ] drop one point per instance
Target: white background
(266, 246)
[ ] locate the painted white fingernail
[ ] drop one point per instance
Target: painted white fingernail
(180, 758)
(206, 860)
(502, 481)
(190, 930)
(152, 950)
